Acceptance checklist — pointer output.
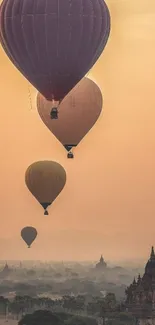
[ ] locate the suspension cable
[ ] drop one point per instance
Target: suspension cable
(29, 97)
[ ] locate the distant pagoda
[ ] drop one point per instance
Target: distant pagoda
(101, 265)
(6, 271)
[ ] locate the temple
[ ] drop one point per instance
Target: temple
(101, 264)
(140, 295)
(6, 271)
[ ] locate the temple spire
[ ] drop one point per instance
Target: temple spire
(152, 256)
(139, 279)
(101, 259)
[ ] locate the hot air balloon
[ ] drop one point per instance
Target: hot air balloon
(45, 180)
(54, 43)
(78, 112)
(29, 234)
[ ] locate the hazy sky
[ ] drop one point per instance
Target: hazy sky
(108, 204)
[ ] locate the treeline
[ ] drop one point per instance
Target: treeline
(46, 317)
(106, 308)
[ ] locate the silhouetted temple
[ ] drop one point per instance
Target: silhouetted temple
(6, 271)
(140, 294)
(101, 264)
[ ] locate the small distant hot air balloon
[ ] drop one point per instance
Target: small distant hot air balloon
(29, 234)
(45, 180)
(54, 43)
(78, 112)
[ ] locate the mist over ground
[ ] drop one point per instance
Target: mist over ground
(56, 279)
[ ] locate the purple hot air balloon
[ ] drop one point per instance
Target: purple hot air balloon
(54, 43)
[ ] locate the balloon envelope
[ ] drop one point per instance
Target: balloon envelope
(29, 234)
(54, 43)
(45, 180)
(78, 112)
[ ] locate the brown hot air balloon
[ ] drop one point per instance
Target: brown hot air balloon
(29, 234)
(45, 180)
(78, 112)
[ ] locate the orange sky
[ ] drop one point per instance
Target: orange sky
(108, 204)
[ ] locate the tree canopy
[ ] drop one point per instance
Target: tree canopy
(45, 317)
(79, 320)
(41, 317)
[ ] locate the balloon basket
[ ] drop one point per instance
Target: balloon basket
(54, 113)
(70, 155)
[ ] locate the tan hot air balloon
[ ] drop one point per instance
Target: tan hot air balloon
(45, 180)
(78, 112)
